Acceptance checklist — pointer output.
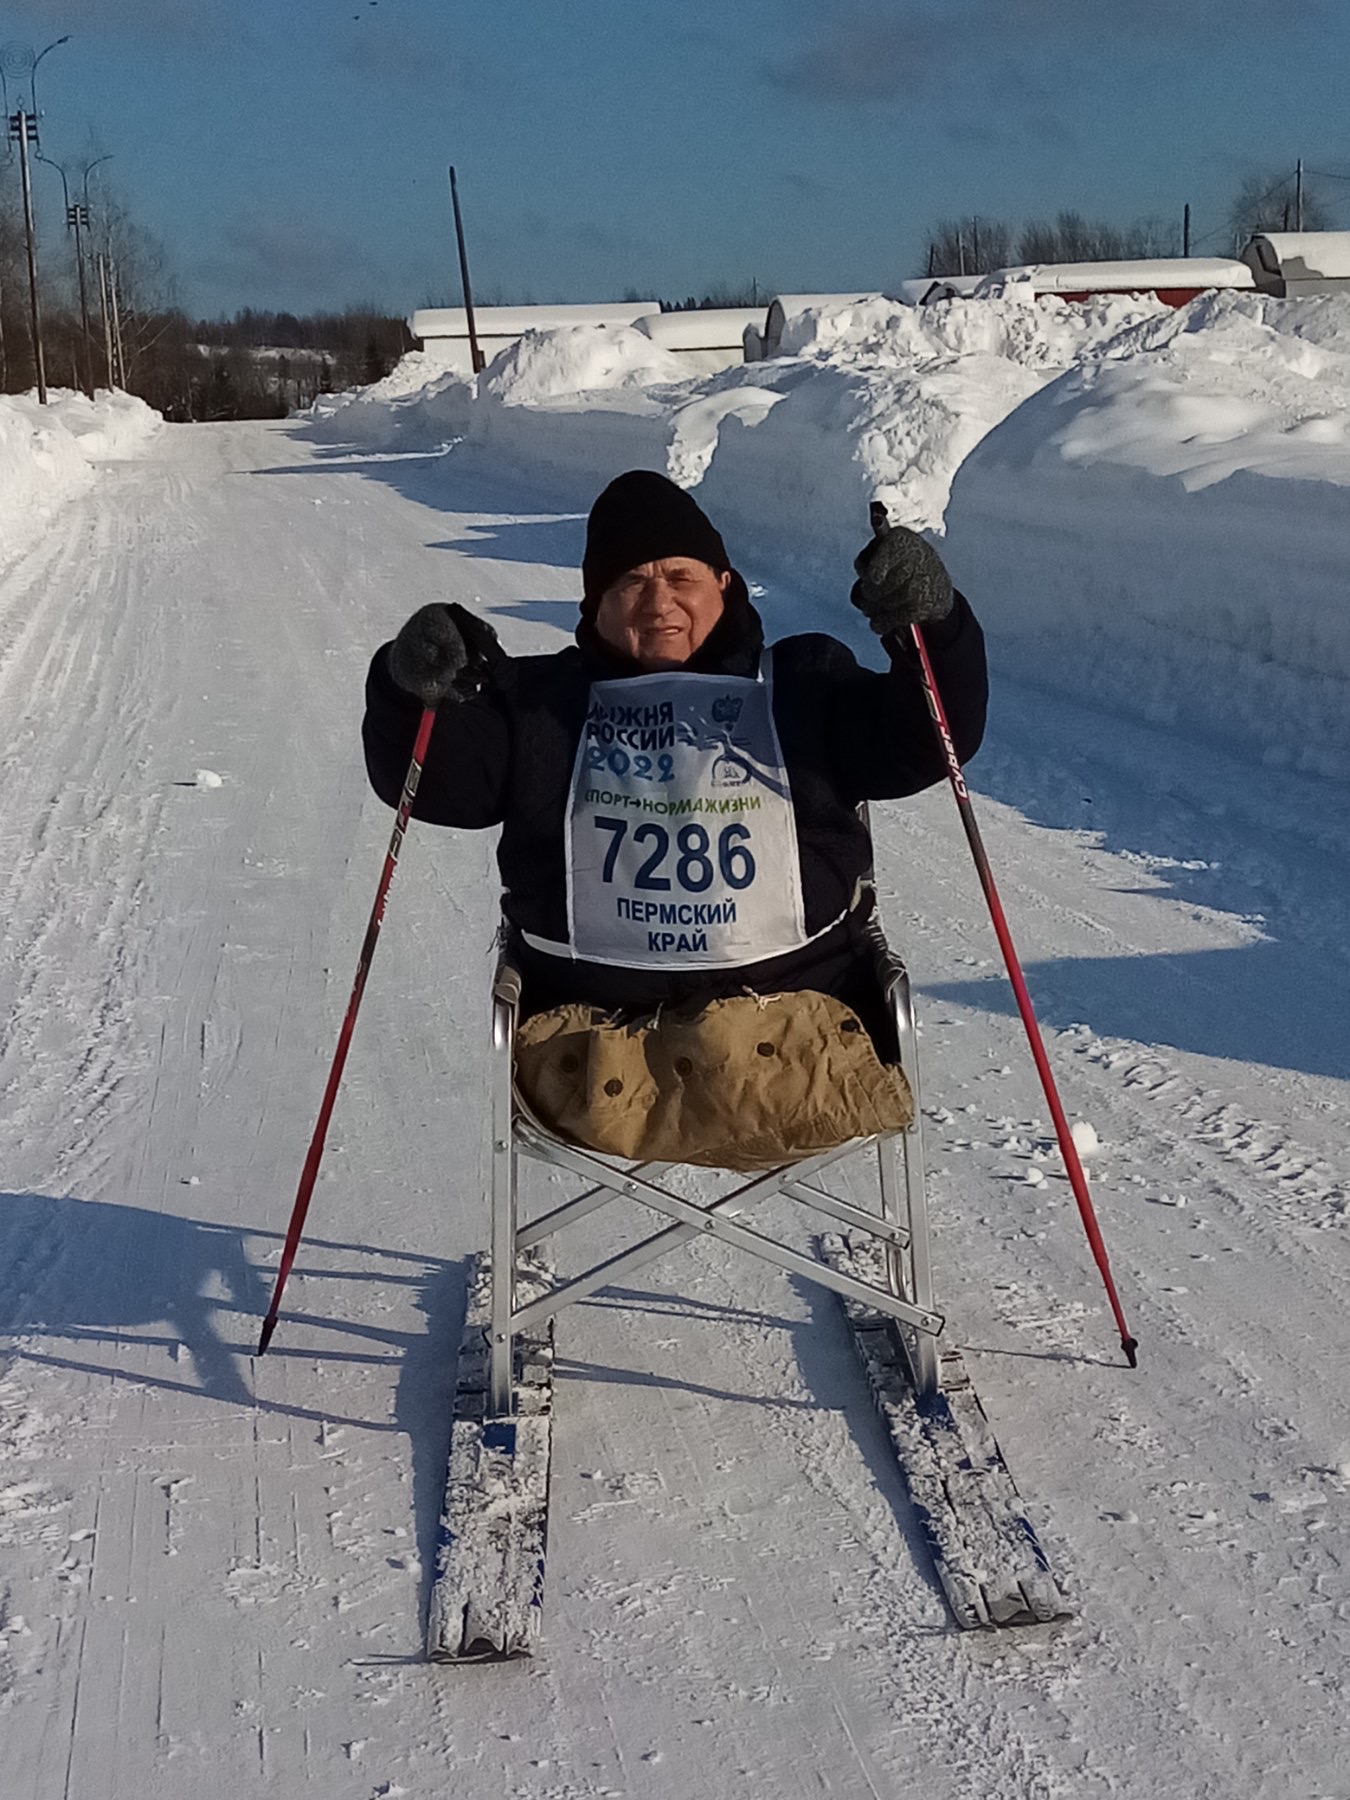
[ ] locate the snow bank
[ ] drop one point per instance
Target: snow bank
(1168, 527)
(545, 366)
(886, 401)
(1145, 499)
(49, 453)
(419, 405)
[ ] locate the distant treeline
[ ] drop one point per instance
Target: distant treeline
(257, 365)
(261, 364)
(1264, 201)
(126, 328)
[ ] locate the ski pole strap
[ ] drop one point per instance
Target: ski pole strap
(310, 1172)
(1068, 1149)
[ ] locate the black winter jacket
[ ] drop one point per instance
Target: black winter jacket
(848, 734)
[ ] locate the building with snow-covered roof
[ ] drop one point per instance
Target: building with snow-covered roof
(1173, 279)
(708, 338)
(1292, 264)
(791, 306)
(443, 331)
(933, 288)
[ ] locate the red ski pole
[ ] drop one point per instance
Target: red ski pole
(311, 1169)
(1068, 1149)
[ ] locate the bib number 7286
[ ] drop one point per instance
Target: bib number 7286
(694, 867)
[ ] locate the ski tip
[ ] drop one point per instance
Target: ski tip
(269, 1326)
(1131, 1348)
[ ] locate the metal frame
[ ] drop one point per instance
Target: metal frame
(901, 1227)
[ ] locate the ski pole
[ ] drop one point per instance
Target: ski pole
(311, 1169)
(1068, 1149)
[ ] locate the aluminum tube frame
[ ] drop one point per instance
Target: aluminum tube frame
(901, 1227)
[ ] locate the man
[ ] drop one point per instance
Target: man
(679, 805)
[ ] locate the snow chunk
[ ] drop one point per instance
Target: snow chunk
(1085, 1139)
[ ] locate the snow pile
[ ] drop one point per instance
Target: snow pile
(548, 366)
(1167, 525)
(48, 453)
(878, 399)
(895, 399)
(419, 404)
(1144, 499)
(1014, 327)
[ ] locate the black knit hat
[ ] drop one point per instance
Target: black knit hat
(640, 518)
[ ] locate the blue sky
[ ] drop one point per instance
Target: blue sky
(293, 153)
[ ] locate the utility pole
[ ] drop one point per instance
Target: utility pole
(1298, 196)
(22, 127)
(77, 220)
(107, 316)
(82, 223)
(475, 354)
(1186, 229)
(115, 309)
(23, 131)
(77, 217)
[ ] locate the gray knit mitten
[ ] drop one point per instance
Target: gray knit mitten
(444, 652)
(901, 582)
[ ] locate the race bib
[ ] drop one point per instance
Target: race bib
(681, 838)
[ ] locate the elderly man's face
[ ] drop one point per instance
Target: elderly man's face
(660, 612)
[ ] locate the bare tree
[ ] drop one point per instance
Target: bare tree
(138, 272)
(1270, 202)
(970, 246)
(1072, 238)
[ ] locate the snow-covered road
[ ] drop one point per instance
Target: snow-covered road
(212, 1571)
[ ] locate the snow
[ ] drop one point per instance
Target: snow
(1169, 273)
(212, 1569)
(1085, 1139)
(1203, 464)
(49, 453)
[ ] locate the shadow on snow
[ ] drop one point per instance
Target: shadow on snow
(85, 1280)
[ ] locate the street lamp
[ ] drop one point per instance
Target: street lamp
(107, 326)
(77, 220)
(18, 60)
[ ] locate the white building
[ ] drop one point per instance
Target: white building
(1296, 263)
(790, 306)
(708, 338)
(443, 331)
(1174, 279)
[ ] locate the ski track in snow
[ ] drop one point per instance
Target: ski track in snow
(213, 1569)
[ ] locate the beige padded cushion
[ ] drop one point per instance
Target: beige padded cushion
(743, 1083)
